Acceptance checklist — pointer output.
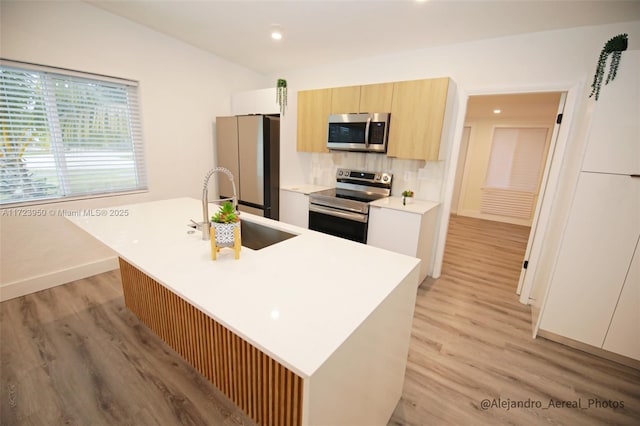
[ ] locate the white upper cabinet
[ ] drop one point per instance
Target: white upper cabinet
(614, 136)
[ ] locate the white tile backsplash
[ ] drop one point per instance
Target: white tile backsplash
(425, 178)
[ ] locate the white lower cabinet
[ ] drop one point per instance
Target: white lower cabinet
(594, 260)
(410, 233)
(623, 336)
(294, 208)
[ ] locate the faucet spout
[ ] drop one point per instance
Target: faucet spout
(205, 198)
(205, 211)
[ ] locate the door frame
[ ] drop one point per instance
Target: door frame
(555, 162)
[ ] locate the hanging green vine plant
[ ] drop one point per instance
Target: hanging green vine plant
(281, 94)
(614, 47)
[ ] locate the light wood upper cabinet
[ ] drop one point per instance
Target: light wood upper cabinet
(345, 100)
(376, 97)
(314, 107)
(369, 98)
(417, 116)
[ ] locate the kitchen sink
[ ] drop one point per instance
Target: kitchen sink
(256, 236)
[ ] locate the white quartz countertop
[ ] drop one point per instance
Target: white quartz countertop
(297, 300)
(305, 188)
(415, 206)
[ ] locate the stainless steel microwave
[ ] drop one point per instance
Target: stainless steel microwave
(365, 132)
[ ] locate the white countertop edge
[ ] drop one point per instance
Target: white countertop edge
(415, 206)
(305, 188)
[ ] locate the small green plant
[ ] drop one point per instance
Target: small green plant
(281, 94)
(406, 194)
(614, 47)
(226, 214)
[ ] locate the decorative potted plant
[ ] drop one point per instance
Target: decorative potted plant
(223, 224)
(407, 197)
(281, 94)
(614, 47)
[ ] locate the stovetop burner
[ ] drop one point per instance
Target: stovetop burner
(354, 190)
(357, 195)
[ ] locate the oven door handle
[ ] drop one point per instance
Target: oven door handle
(338, 213)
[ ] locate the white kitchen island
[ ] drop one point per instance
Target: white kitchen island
(313, 330)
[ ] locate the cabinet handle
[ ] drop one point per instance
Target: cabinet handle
(635, 176)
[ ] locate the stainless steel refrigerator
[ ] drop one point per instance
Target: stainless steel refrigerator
(249, 146)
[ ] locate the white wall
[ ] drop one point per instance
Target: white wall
(562, 60)
(182, 90)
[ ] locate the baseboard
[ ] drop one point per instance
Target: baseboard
(43, 282)
(620, 359)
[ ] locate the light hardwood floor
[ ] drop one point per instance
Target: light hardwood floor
(472, 342)
(75, 355)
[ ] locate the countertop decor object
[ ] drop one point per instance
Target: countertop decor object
(281, 94)
(225, 230)
(407, 197)
(614, 47)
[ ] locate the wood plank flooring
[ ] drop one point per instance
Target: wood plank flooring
(75, 355)
(472, 342)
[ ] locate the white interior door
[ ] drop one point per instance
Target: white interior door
(525, 283)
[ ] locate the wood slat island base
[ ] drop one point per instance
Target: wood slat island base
(264, 389)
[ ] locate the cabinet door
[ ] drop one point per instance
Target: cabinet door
(345, 100)
(394, 230)
(597, 247)
(623, 336)
(417, 114)
(313, 112)
(294, 208)
(376, 97)
(614, 135)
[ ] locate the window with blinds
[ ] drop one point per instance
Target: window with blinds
(515, 168)
(67, 135)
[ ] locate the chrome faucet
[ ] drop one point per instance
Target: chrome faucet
(205, 199)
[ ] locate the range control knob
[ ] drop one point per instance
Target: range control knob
(385, 178)
(339, 172)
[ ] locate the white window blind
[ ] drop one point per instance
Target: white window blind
(67, 135)
(513, 175)
(517, 159)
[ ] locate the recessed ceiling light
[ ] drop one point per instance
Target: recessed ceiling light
(497, 111)
(276, 32)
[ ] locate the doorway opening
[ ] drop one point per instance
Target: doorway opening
(506, 150)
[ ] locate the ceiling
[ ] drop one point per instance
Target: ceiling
(330, 31)
(522, 106)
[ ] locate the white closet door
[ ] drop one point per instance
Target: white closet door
(597, 248)
(614, 136)
(624, 333)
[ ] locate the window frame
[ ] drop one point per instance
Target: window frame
(138, 147)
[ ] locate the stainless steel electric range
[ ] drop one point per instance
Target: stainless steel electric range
(343, 211)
